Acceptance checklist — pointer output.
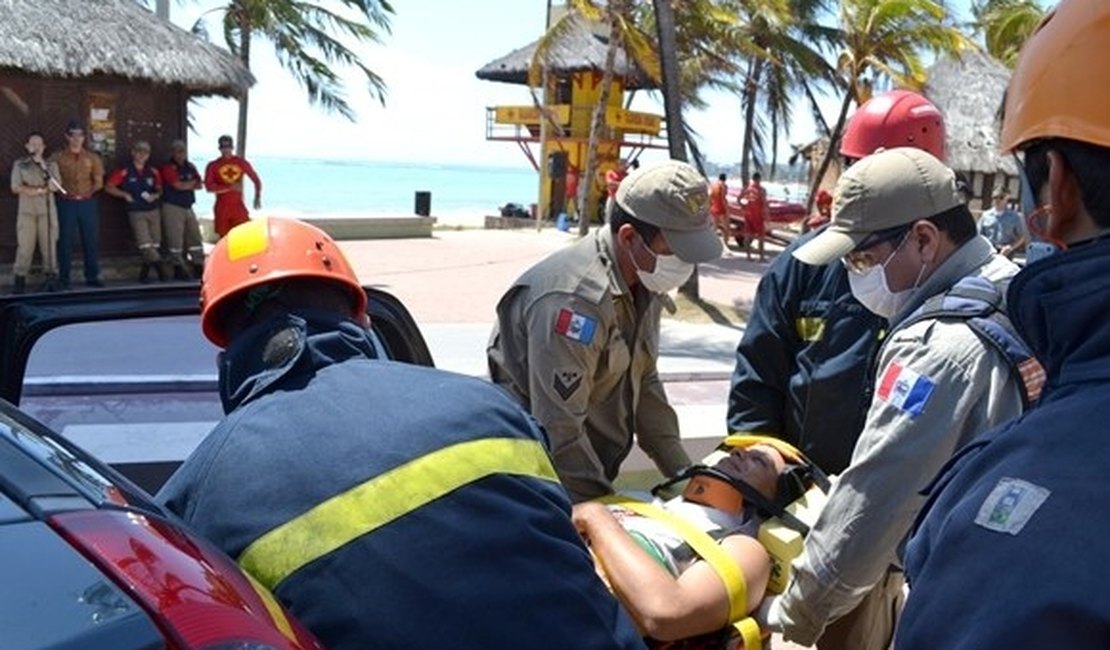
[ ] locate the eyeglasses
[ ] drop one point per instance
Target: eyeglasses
(862, 259)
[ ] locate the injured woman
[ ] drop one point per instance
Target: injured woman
(646, 557)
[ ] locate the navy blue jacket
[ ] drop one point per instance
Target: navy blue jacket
(1009, 552)
(495, 563)
(136, 182)
(803, 367)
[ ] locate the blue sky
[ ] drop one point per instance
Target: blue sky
(435, 108)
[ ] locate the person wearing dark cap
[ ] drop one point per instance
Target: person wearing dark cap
(82, 176)
(577, 336)
(909, 243)
(1002, 226)
(180, 229)
(224, 178)
(139, 184)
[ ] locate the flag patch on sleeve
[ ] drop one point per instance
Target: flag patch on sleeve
(575, 326)
(905, 389)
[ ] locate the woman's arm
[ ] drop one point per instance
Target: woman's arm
(665, 607)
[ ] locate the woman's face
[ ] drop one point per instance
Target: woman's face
(758, 466)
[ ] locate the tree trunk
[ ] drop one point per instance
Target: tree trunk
(751, 90)
(596, 124)
(672, 101)
(245, 57)
(162, 9)
(774, 144)
(815, 108)
(834, 146)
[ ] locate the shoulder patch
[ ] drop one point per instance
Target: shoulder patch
(566, 382)
(1010, 505)
(905, 389)
(575, 326)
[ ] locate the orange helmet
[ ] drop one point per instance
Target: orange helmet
(1055, 92)
(264, 250)
(899, 118)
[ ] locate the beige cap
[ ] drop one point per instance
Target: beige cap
(884, 190)
(674, 197)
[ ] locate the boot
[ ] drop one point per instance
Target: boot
(51, 285)
(198, 271)
(144, 273)
(179, 273)
(161, 270)
(19, 284)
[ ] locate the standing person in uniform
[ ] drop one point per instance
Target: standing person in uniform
(804, 365)
(577, 336)
(754, 208)
(718, 207)
(180, 229)
(140, 186)
(1008, 553)
(224, 178)
(82, 176)
(909, 241)
(386, 504)
(1003, 226)
(34, 181)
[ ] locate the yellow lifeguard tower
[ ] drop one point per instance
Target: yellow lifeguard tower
(574, 74)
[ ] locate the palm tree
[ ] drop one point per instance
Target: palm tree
(672, 95)
(1005, 25)
(881, 42)
(307, 42)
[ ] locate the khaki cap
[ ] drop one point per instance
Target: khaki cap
(674, 197)
(885, 190)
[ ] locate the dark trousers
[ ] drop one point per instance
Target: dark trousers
(81, 217)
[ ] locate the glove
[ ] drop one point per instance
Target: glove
(768, 615)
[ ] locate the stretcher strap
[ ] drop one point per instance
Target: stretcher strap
(708, 549)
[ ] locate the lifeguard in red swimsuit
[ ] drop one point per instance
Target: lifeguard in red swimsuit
(224, 178)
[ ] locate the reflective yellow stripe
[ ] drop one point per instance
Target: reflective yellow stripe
(275, 555)
(277, 614)
(251, 238)
(703, 545)
(748, 630)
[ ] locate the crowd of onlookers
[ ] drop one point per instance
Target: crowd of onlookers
(58, 203)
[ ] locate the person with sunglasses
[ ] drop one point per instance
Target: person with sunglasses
(913, 256)
(1008, 551)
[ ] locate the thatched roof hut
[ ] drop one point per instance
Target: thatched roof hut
(969, 91)
(117, 38)
(579, 50)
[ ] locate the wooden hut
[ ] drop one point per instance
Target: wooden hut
(576, 61)
(969, 92)
(112, 65)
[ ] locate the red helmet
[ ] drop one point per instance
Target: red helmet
(899, 118)
(264, 250)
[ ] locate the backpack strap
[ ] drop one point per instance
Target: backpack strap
(708, 549)
(977, 302)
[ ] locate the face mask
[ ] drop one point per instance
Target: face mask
(871, 290)
(669, 274)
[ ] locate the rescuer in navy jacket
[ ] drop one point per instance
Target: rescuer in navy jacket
(387, 505)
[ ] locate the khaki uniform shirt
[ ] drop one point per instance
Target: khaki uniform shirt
(944, 387)
(580, 354)
(82, 173)
(26, 172)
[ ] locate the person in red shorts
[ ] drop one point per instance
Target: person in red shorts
(224, 178)
(718, 207)
(753, 205)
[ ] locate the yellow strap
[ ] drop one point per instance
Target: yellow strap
(343, 518)
(704, 545)
(748, 630)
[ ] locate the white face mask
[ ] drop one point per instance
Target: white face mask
(669, 274)
(872, 291)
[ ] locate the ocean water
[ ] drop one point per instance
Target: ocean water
(304, 187)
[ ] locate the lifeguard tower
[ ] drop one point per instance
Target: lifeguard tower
(575, 69)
